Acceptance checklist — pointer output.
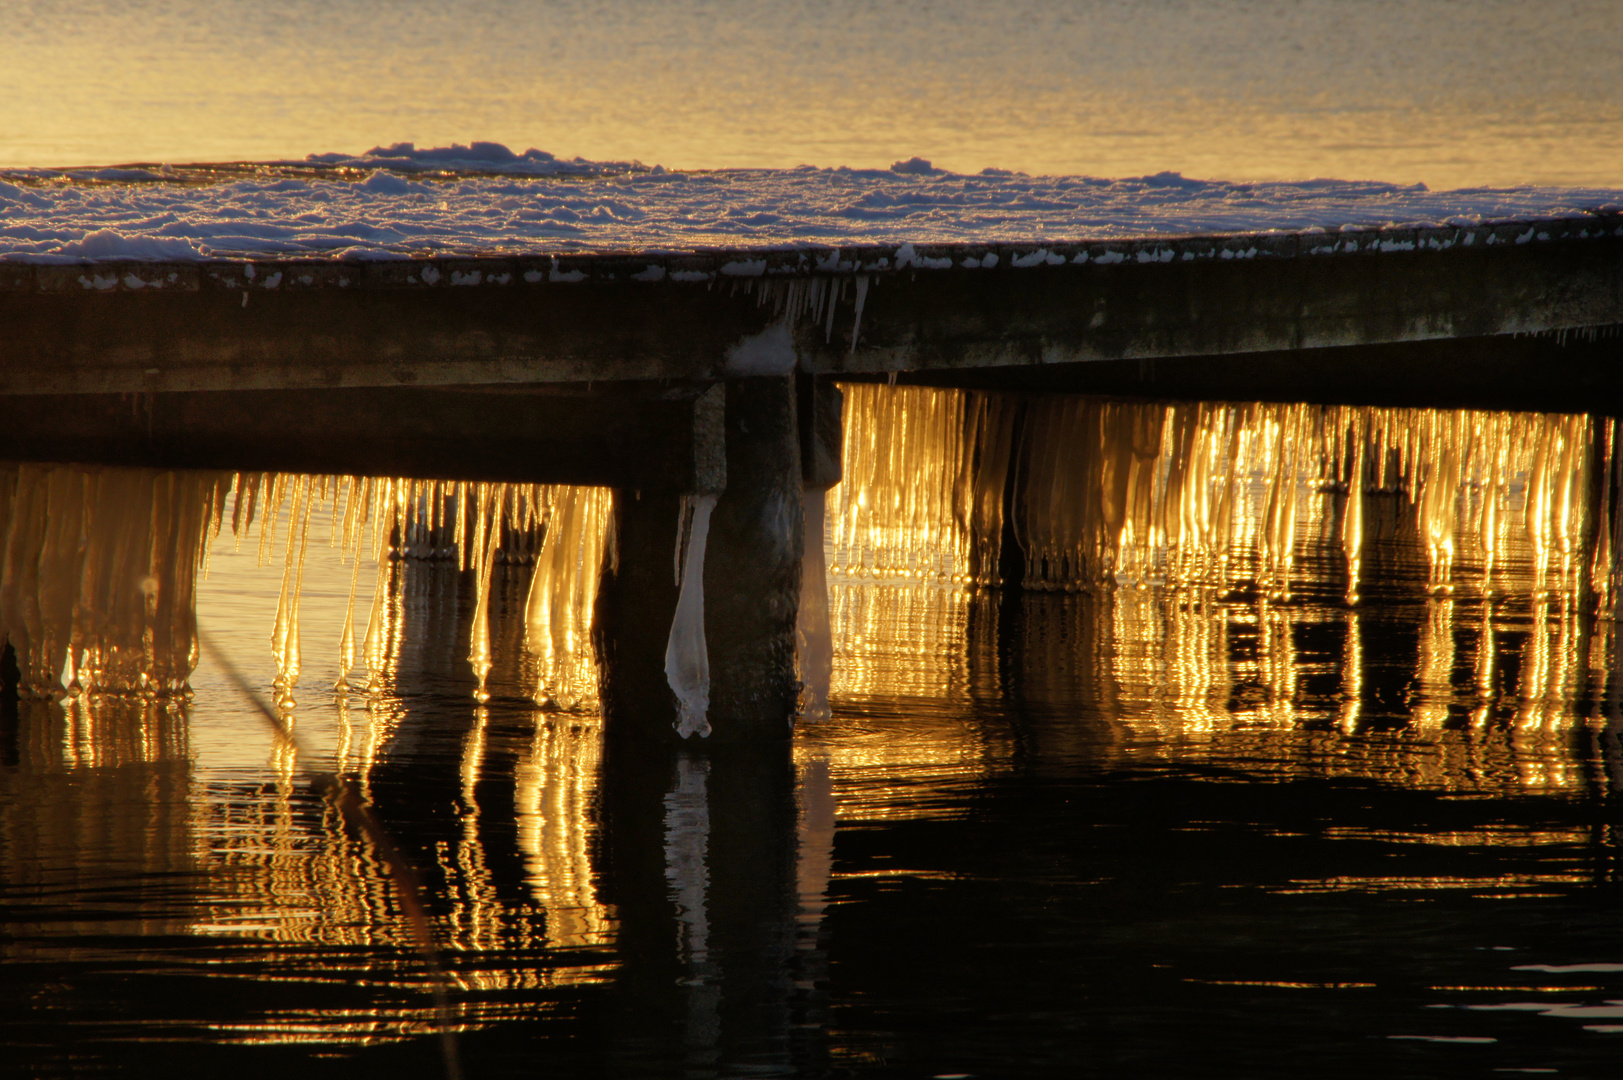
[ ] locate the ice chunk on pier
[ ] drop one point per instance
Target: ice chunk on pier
(814, 640)
(687, 659)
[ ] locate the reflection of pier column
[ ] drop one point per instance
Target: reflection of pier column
(699, 862)
(687, 871)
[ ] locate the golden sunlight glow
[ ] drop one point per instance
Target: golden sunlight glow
(1205, 543)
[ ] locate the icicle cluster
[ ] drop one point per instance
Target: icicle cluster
(1218, 494)
(922, 496)
(473, 521)
(100, 565)
(97, 568)
(1110, 492)
(558, 616)
(816, 300)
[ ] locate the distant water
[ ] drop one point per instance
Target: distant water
(1446, 93)
(1244, 784)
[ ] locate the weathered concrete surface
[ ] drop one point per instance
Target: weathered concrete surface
(1544, 373)
(631, 622)
(657, 438)
(1055, 315)
(752, 568)
(822, 434)
(122, 327)
(210, 339)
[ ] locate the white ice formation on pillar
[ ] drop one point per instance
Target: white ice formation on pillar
(814, 640)
(687, 659)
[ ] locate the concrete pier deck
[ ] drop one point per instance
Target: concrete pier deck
(296, 324)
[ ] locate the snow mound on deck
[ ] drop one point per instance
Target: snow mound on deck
(484, 198)
(112, 244)
(489, 157)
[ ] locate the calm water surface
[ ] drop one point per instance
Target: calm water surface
(1442, 92)
(1162, 828)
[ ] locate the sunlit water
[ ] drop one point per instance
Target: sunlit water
(1446, 93)
(1174, 817)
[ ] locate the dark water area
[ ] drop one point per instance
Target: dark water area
(1151, 829)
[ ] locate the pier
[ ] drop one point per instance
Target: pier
(667, 376)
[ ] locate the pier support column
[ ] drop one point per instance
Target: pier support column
(751, 584)
(752, 568)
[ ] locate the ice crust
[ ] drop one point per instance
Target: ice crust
(485, 198)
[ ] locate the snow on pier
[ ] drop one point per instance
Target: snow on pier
(398, 202)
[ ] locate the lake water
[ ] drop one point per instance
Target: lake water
(1298, 755)
(1446, 93)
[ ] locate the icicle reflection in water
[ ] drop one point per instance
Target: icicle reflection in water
(268, 866)
(283, 871)
(118, 785)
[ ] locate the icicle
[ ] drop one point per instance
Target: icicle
(97, 575)
(346, 641)
(271, 514)
(1352, 521)
(862, 298)
(462, 526)
(487, 533)
(285, 636)
(687, 660)
(242, 516)
(563, 590)
(376, 646)
(814, 640)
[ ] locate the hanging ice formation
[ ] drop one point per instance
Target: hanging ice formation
(1140, 493)
(687, 660)
(814, 637)
(922, 496)
(98, 568)
(98, 565)
(558, 615)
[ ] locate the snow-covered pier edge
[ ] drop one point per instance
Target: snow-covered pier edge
(123, 326)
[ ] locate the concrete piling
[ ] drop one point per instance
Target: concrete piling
(751, 584)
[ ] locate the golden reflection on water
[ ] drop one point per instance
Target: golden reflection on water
(110, 781)
(1286, 592)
